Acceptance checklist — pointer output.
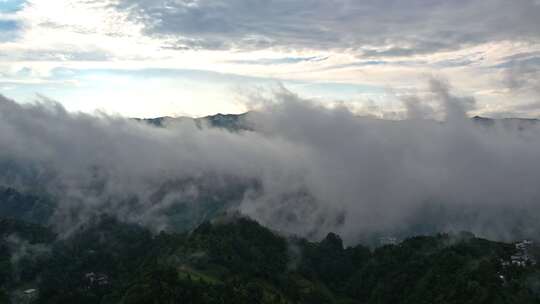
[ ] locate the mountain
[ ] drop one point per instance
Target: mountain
(182, 214)
(208, 258)
(28, 207)
(231, 122)
(235, 260)
(516, 123)
(236, 122)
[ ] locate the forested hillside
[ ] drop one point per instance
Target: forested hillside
(235, 260)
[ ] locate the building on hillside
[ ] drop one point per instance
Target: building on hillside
(388, 240)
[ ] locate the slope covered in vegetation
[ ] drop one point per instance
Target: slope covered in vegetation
(235, 260)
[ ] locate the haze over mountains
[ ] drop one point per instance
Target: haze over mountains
(366, 152)
(236, 122)
(292, 164)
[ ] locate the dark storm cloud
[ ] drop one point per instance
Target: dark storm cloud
(307, 169)
(374, 28)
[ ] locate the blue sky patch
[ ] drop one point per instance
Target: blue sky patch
(9, 30)
(8, 25)
(11, 6)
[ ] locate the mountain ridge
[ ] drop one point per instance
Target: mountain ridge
(236, 122)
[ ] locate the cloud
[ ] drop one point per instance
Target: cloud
(22, 251)
(279, 61)
(306, 169)
(68, 54)
(376, 28)
(365, 43)
(522, 79)
(373, 175)
(523, 74)
(110, 164)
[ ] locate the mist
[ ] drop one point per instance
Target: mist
(301, 168)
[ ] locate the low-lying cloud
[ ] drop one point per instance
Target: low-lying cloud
(305, 169)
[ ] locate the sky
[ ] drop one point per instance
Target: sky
(147, 58)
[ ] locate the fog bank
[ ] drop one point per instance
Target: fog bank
(302, 168)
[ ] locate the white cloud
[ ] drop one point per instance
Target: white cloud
(465, 41)
(307, 169)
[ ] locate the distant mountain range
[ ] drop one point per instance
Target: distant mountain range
(231, 122)
(520, 123)
(236, 122)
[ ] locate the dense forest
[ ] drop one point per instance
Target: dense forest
(233, 259)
